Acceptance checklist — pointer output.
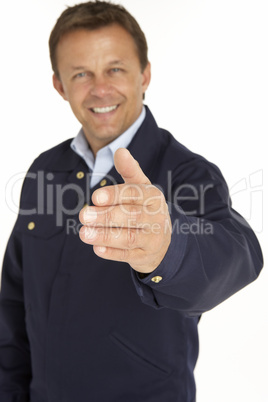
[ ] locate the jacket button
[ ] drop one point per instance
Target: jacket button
(80, 175)
(103, 182)
(31, 225)
(156, 279)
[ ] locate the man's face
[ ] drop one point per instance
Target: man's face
(101, 78)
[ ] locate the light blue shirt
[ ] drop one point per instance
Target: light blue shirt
(104, 161)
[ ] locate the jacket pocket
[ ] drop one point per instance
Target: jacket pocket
(39, 226)
(42, 245)
(135, 353)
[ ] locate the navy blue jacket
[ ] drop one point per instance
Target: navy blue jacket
(76, 328)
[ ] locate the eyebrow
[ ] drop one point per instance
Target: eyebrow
(116, 62)
(74, 68)
(111, 63)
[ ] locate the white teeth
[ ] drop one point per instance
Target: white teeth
(104, 109)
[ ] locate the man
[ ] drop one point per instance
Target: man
(116, 322)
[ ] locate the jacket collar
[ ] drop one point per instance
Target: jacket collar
(144, 147)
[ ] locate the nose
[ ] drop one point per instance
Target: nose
(100, 86)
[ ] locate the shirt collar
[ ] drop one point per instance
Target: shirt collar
(81, 147)
(124, 140)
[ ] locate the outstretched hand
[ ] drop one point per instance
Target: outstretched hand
(129, 222)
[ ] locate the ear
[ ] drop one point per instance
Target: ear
(146, 77)
(59, 87)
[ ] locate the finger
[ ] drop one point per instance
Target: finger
(129, 168)
(122, 255)
(122, 238)
(136, 258)
(116, 216)
(111, 237)
(136, 194)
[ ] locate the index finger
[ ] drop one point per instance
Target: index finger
(126, 193)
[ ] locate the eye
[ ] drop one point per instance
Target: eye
(115, 70)
(80, 75)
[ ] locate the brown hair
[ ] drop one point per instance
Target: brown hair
(93, 15)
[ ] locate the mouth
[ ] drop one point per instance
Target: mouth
(102, 110)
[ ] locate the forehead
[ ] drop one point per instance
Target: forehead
(101, 42)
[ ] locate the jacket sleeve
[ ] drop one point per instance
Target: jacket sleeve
(213, 252)
(15, 363)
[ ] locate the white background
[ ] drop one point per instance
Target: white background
(210, 89)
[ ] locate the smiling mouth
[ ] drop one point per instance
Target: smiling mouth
(102, 110)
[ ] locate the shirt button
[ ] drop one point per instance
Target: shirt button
(156, 279)
(80, 175)
(31, 225)
(103, 182)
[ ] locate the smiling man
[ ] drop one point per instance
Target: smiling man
(102, 79)
(114, 317)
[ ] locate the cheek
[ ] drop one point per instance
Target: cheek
(129, 85)
(78, 95)
(133, 90)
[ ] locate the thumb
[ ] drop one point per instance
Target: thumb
(129, 168)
